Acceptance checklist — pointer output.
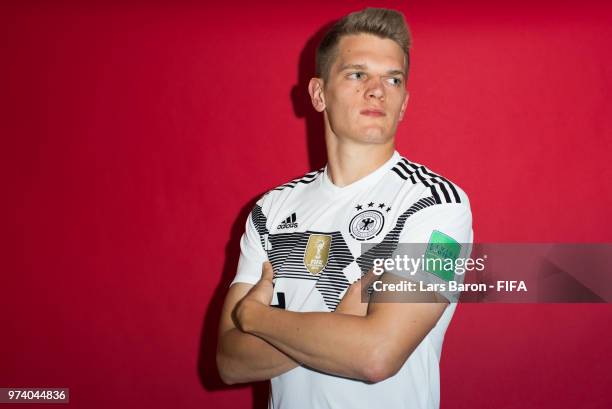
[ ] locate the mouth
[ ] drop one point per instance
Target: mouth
(372, 112)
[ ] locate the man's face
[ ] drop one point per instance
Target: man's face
(365, 95)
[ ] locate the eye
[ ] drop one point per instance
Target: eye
(395, 81)
(356, 75)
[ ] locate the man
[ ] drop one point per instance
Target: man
(320, 345)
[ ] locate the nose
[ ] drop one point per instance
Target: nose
(375, 89)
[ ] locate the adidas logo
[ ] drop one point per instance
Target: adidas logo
(289, 223)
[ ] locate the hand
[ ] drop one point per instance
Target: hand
(351, 302)
(259, 295)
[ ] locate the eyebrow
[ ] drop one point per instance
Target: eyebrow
(365, 67)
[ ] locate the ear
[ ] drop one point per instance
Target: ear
(315, 89)
(404, 105)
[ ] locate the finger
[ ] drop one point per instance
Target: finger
(267, 271)
(368, 279)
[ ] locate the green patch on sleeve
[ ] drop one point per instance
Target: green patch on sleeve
(442, 251)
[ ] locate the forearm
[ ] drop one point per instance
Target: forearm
(340, 344)
(244, 357)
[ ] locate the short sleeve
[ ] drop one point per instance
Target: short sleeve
(252, 248)
(452, 219)
(438, 234)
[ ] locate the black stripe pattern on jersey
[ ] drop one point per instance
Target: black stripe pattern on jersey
(259, 221)
(332, 281)
(306, 179)
(287, 257)
(389, 243)
(442, 190)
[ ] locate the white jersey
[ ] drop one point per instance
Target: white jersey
(312, 231)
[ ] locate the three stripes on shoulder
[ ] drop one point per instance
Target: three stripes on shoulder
(442, 190)
(306, 179)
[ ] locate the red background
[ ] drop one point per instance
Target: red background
(136, 136)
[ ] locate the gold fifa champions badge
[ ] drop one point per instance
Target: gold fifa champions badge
(317, 252)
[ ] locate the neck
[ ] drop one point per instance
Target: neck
(348, 161)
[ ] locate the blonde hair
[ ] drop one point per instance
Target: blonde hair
(384, 23)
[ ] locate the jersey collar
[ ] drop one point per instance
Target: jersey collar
(365, 181)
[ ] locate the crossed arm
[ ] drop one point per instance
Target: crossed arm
(243, 357)
(360, 341)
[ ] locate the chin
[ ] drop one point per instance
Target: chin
(374, 135)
